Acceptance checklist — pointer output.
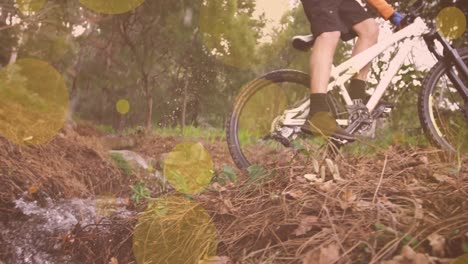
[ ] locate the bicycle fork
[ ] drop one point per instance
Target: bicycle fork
(450, 58)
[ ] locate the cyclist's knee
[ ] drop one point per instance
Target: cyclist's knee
(369, 30)
(333, 36)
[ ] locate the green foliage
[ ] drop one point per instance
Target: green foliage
(226, 174)
(259, 174)
(386, 137)
(121, 163)
(129, 131)
(409, 240)
(107, 129)
(139, 192)
(465, 247)
(192, 132)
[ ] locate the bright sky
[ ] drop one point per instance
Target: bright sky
(273, 10)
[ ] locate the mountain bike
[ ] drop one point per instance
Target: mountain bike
(264, 126)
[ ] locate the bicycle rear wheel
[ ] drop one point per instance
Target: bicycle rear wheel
(257, 114)
(442, 110)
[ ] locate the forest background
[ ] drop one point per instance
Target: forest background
(177, 62)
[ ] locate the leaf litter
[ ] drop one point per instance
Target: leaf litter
(281, 216)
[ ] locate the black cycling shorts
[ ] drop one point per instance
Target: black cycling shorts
(334, 15)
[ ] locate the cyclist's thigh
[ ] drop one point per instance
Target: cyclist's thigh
(352, 13)
(323, 15)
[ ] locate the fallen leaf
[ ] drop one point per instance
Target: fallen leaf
(313, 178)
(363, 205)
(225, 207)
(349, 196)
(329, 254)
(443, 178)
(316, 166)
(424, 160)
(28, 138)
(218, 187)
(437, 243)
(306, 225)
(215, 260)
(326, 255)
(33, 189)
(327, 186)
(419, 212)
(113, 260)
(409, 256)
(294, 194)
(331, 165)
(301, 179)
(322, 172)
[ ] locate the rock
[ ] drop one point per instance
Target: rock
(118, 143)
(133, 158)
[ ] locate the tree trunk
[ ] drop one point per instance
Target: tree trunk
(149, 114)
(184, 104)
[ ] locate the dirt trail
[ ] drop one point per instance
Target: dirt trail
(381, 203)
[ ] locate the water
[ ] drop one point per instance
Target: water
(37, 237)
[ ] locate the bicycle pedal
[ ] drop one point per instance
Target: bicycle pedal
(284, 141)
(370, 133)
(386, 107)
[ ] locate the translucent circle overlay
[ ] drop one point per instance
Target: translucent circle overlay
(451, 22)
(122, 106)
(174, 230)
(261, 109)
(112, 7)
(28, 6)
(34, 102)
(188, 168)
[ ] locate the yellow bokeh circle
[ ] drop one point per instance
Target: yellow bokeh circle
(123, 106)
(112, 7)
(29, 6)
(188, 168)
(34, 102)
(451, 22)
(174, 230)
(261, 109)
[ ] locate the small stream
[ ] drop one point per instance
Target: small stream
(37, 236)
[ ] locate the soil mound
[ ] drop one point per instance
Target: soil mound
(68, 166)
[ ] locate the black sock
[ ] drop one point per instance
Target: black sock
(357, 89)
(318, 103)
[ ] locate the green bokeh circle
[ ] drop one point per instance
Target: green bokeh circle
(34, 102)
(174, 230)
(188, 168)
(112, 7)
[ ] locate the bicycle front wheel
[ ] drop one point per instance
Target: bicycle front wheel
(443, 111)
(258, 111)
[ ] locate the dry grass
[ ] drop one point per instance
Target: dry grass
(68, 166)
(383, 203)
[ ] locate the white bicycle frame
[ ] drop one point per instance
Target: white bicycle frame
(410, 36)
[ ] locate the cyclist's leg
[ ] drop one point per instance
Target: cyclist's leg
(321, 60)
(327, 27)
(364, 25)
(368, 35)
